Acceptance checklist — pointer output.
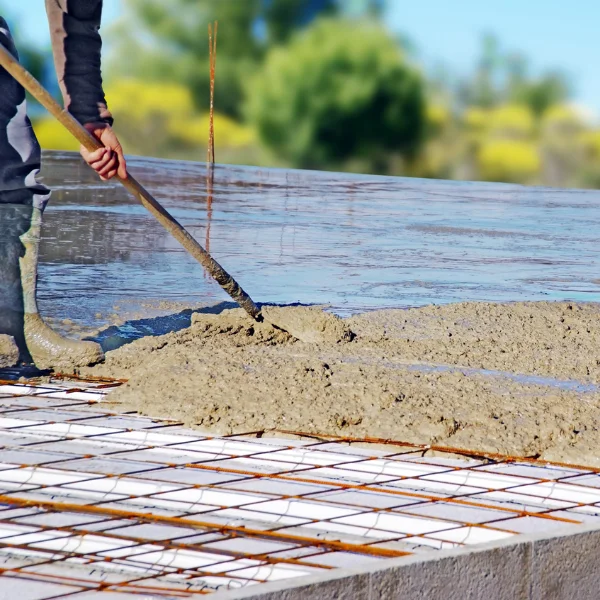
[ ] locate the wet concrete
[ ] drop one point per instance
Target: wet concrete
(516, 378)
(354, 242)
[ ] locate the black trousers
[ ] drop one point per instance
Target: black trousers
(20, 192)
(20, 154)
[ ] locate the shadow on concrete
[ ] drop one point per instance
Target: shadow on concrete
(22, 371)
(115, 336)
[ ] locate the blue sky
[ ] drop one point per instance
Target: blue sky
(552, 33)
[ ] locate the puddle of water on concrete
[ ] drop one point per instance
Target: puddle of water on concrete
(354, 242)
(567, 385)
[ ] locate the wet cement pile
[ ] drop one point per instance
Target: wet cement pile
(9, 353)
(375, 375)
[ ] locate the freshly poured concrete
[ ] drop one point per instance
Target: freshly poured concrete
(519, 379)
(9, 353)
(463, 374)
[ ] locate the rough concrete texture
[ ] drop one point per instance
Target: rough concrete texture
(480, 578)
(355, 588)
(9, 352)
(567, 567)
(310, 325)
(229, 374)
(533, 567)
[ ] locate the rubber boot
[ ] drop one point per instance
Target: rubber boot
(14, 221)
(47, 348)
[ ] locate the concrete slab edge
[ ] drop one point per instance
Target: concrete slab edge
(553, 566)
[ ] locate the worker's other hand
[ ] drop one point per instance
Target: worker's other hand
(108, 161)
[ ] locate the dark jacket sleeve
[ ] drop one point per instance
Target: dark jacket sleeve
(76, 45)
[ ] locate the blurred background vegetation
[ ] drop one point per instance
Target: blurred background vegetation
(324, 84)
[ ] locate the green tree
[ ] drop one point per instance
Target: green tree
(340, 90)
(283, 17)
(501, 77)
(168, 41)
(481, 89)
(540, 94)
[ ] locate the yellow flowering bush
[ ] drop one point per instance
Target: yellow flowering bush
(154, 119)
(509, 160)
(53, 136)
(508, 120)
(511, 120)
(157, 119)
(562, 115)
(438, 117)
(228, 133)
(590, 140)
(475, 118)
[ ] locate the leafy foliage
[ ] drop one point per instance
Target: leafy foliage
(170, 43)
(501, 77)
(326, 93)
(337, 91)
(160, 120)
(53, 136)
(154, 120)
(282, 17)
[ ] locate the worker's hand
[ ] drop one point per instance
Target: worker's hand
(108, 161)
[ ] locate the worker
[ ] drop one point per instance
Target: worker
(76, 45)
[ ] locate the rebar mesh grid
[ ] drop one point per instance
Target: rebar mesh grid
(94, 501)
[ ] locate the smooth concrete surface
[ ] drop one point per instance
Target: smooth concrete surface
(531, 567)
(354, 242)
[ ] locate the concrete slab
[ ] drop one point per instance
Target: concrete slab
(533, 567)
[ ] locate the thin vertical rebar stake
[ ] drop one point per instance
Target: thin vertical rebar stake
(214, 70)
(212, 53)
(210, 105)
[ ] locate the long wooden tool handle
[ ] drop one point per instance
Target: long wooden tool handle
(226, 281)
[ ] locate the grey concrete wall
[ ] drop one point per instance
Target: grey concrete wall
(533, 567)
